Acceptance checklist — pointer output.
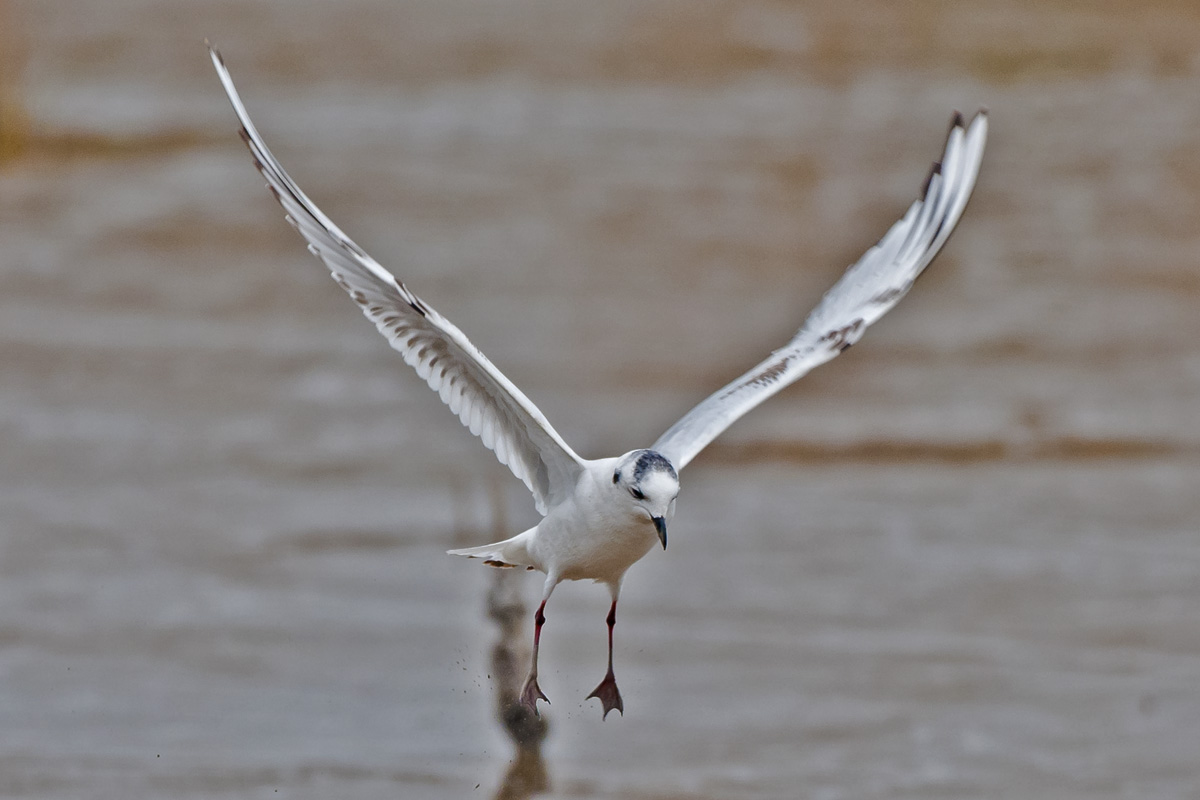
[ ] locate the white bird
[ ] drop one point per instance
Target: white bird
(600, 516)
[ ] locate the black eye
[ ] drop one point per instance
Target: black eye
(616, 476)
(637, 494)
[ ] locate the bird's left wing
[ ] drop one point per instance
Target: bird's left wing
(868, 290)
(483, 398)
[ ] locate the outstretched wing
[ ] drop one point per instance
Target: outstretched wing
(487, 402)
(868, 290)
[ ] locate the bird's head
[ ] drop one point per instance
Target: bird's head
(652, 485)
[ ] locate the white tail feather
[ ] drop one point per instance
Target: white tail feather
(508, 553)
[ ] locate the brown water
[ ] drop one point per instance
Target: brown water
(962, 561)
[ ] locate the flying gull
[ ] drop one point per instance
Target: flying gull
(600, 516)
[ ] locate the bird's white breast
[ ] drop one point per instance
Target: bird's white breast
(597, 534)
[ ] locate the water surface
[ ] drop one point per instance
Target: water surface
(960, 561)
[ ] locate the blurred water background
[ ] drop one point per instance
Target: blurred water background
(960, 561)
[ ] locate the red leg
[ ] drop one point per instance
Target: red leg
(607, 692)
(531, 693)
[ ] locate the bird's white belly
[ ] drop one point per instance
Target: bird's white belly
(594, 546)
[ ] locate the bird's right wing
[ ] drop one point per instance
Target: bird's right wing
(483, 398)
(868, 290)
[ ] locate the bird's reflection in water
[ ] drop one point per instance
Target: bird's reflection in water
(526, 775)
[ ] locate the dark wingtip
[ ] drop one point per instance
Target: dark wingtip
(956, 122)
(934, 170)
(413, 301)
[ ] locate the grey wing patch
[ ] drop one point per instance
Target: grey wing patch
(841, 338)
(838, 339)
(765, 377)
(886, 297)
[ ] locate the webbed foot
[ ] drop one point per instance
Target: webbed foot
(608, 695)
(531, 693)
